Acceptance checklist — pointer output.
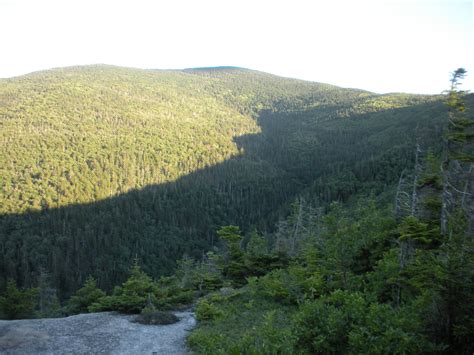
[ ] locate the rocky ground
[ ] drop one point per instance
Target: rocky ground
(94, 333)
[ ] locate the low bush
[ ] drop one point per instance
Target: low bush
(206, 311)
(151, 316)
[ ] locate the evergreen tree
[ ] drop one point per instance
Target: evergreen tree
(85, 297)
(234, 265)
(17, 304)
(457, 220)
(132, 296)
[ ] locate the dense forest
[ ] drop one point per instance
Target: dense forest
(307, 217)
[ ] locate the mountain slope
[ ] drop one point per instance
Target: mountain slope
(101, 164)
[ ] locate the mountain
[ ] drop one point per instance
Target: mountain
(102, 164)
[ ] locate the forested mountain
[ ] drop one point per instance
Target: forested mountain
(102, 164)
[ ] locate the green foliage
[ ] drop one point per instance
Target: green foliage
(48, 302)
(287, 286)
(323, 326)
(273, 286)
(151, 316)
(204, 276)
(138, 292)
(386, 307)
(273, 337)
(256, 246)
(385, 330)
(454, 98)
(131, 297)
(458, 133)
(349, 241)
(385, 280)
(49, 306)
(85, 297)
(169, 293)
(244, 325)
(431, 173)
(231, 234)
(451, 287)
(233, 264)
(100, 164)
(413, 229)
(206, 311)
(17, 304)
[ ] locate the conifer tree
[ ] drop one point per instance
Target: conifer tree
(17, 304)
(85, 296)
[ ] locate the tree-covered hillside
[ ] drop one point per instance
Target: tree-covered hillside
(371, 275)
(102, 164)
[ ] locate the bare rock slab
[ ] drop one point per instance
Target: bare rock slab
(94, 333)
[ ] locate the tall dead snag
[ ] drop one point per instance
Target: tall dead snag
(458, 158)
(416, 177)
(406, 200)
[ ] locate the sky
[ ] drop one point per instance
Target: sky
(380, 46)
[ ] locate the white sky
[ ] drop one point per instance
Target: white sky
(409, 46)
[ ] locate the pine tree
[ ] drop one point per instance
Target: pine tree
(234, 266)
(17, 304)
(85, 297)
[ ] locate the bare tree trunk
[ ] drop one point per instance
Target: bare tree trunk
(466, 186)
(406, 246)
(470, 199)
(297, 228)
(414, 197)
(281, 243)
(467, 205)
(445, 193)
(398, 198)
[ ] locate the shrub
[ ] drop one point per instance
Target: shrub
(181, 298)
(151, 316)
(322, 326)
(283, 286)
(131, 297)
(206, 311)
(206, 343)
(388, 331)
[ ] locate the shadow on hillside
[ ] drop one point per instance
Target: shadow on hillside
(160, 223)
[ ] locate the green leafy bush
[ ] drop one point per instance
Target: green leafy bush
(207, 311)
(322, 326)
(386, 330)
(177, 299)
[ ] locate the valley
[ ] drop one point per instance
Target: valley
(300, 216)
